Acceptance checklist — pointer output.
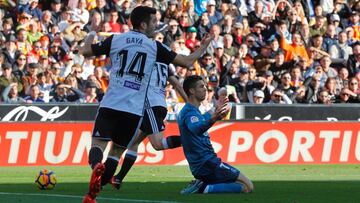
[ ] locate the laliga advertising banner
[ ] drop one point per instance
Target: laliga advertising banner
(29, 144)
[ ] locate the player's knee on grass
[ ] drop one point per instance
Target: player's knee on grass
(249, 186)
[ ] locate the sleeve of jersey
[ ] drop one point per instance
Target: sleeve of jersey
(171, 72)
(102, 48)
(197, 124)
(164, 54)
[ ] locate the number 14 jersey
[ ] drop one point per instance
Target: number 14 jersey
(133, 56)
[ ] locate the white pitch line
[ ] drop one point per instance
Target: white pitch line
(80, 197)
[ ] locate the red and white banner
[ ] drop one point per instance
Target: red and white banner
(29, 144)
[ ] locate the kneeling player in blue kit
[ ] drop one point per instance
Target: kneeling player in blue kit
(212, 175)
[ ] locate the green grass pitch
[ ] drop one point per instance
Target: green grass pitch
(273, 183)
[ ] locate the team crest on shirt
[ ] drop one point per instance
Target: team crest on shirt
(194, 119)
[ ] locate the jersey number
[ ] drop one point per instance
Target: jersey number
(162, 75)
(136, 66)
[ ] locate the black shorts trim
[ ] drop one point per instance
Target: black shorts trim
(153, 120)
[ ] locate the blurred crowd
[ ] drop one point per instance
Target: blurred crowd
(264, 51)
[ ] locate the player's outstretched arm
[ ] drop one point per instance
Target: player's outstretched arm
(188, 61)
(86, 50)
(178, 87)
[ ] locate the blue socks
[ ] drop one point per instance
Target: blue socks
(224, 188)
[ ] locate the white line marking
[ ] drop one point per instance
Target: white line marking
(80, 197)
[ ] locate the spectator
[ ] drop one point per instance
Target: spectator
(30, 78)
(294, 20)
(73, 33)
(8, 78)
(172, 12)
(255, 16)
(10, 94)
(353, 60)
(55, 10)
(354, 88)
(66, 93)
(258, 97)
(341, 51)
(203, 25)
(173, 33)
(45, 86)
(32, 9)
(262, 61)
(82, 13)
(90, 93)
(10, 52)
(280, 66)
(227, 25)
(333, 91)
(214, 16)
(319, 27)
(184, 21)
(99, 91)
(325, 64)
(238, 35)
(102, 8)
(312, 91)
(344, 96)
(330, 37)
(191, 39)
(66, 16)
(285, 86)
(19, 67)
(278, 97)
(34, 96)
(94, 23)
(324, 97)
(102, 78)
(113, 22)
(228, 48)
(34, 34)
(342, 78)
(296, 78)
(294, 51)
(240, 87)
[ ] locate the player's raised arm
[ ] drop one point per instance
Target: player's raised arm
(187, 61)
(86, 50)
(178, 87)
(101, 48)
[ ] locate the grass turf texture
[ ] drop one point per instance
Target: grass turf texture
(273, 183)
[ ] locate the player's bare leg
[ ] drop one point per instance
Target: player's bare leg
(129, 160)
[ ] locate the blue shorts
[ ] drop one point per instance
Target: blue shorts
(219, 172)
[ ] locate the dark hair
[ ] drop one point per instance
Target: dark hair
(39, 75)
(141, 14)
(190, 82)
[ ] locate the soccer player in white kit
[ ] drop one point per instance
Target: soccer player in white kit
(133, 56)
(152, 125)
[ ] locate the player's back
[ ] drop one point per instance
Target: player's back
(133, 56)
(157, 85)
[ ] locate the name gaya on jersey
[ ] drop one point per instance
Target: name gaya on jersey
(133, 56)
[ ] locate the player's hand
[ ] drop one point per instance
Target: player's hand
(222, 111)
(207, 39)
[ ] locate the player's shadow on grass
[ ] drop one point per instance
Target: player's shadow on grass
(265, 191)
